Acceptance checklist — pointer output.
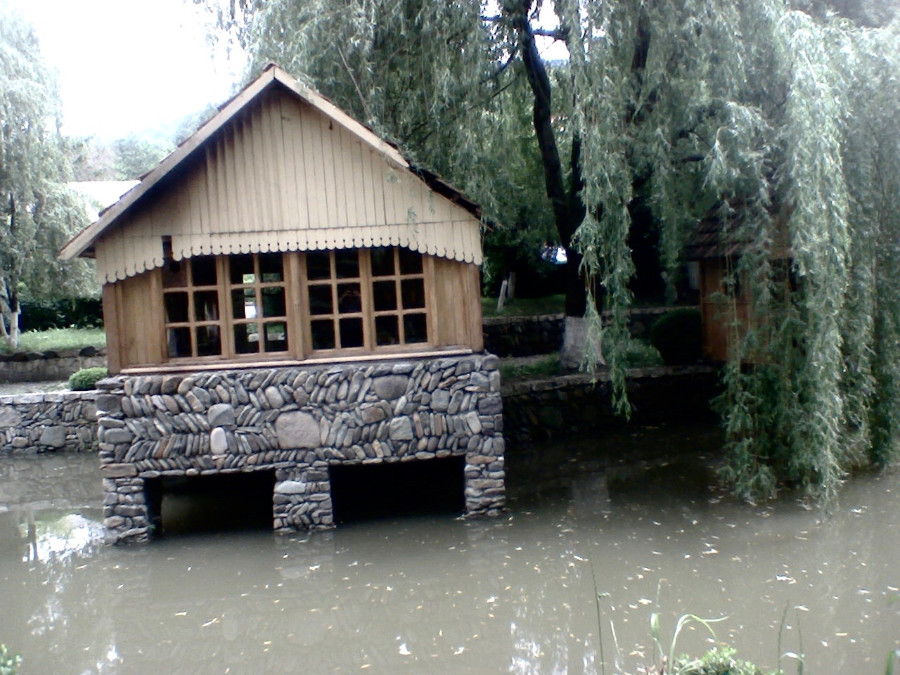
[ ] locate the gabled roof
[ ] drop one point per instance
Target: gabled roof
(83, 244)
(716, 237)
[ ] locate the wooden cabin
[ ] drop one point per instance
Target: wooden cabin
(716, 251)
(284, 230)
(286, 283)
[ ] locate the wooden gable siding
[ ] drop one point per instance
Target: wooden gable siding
(284, 176)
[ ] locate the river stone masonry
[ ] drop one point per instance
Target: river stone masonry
(49, 422)
(298, 421)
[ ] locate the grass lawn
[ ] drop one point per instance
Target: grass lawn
(58, 339)
(539, 367)
(551, 304)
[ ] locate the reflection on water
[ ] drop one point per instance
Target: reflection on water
(437, 595)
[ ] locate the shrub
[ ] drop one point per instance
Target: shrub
(719, 661)
(677, 336)
(86, 378)
(639, 354)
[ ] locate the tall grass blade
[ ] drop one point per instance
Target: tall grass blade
(685, 620)
(892, 658)
(778, 654)
(597, 597)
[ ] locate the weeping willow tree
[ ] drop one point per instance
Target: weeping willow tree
(782, 123)
(37, 212)
(776, 123)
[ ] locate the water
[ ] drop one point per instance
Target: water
(438, 595)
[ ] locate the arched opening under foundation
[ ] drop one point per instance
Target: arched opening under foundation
(369, 491)
(215, 503)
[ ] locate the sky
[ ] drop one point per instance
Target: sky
(129, 66)
(140, 66)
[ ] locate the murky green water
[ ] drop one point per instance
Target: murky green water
(437, 595)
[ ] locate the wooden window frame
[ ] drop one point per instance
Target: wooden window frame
(191, 289)
(298, 318)
(258, 286)
(368, 313)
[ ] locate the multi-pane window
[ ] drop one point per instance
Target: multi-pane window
(258, 303)
(368, 298)
(335, 290)
(398, 297)
(192, 311)
(360, 300)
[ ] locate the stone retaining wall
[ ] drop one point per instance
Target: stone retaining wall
(48, 366)
(298, 421)
(523, 335)
(571, 405)
(33, 423)
(529, 335)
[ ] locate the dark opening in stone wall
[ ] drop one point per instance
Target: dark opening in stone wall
(214, 503)
(369, 491)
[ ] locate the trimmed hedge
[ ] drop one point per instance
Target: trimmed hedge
(678, 336)
(87, 378)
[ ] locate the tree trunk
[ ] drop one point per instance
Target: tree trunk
(568, 209)
(10, 310)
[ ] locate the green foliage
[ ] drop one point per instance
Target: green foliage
(59, 339)
(136, 155)
(892, 659)
(667, 656)
(42, 315)
(677, 336)
(87, 378)
(639, 354)
(778, 124)
(550, 304)
(37, 212)
(718, 661)
(9, 662)
(801, 161)
(122, 159)
(531, 369)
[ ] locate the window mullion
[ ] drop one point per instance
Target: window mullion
(335, 301)
(257, 299)
(226, 313)
(304, 315)
(398, 285)
(430, 298)
(368, 306)
(294, 308)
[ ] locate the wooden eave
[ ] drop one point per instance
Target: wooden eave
(82, 244)
(714, 239)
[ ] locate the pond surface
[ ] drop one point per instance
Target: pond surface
(439, 595)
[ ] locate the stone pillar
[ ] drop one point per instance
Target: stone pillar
(485, 491)
(302, 499)
(125, 513)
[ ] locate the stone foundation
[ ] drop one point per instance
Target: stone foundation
(298, 421)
